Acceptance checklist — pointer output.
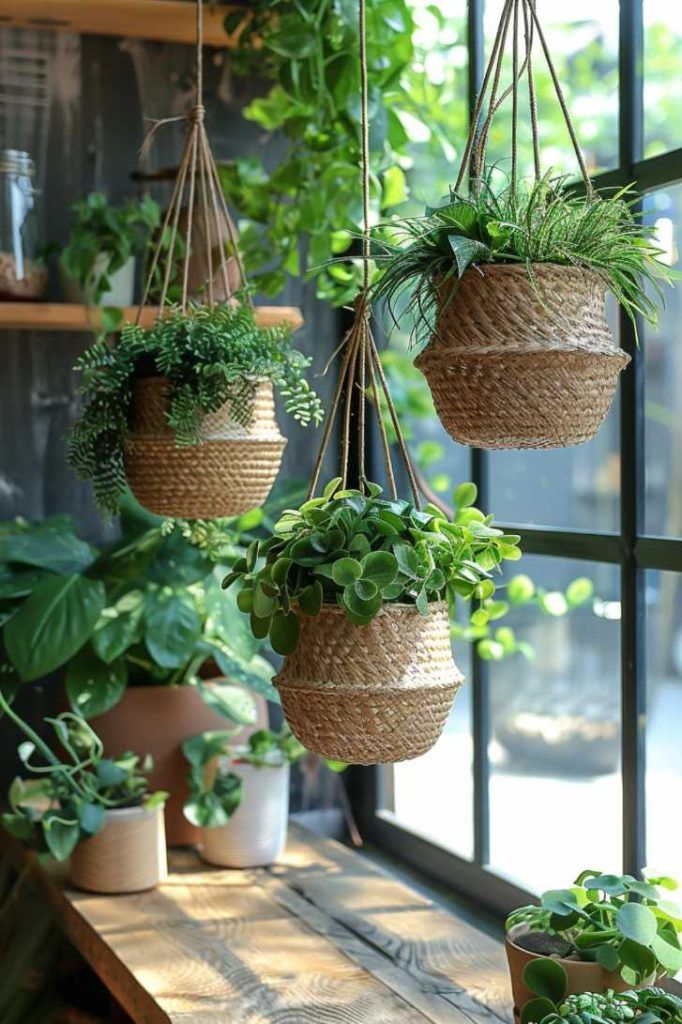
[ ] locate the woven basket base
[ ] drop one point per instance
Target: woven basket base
(550, 399)
(363, 727)
(210, 480)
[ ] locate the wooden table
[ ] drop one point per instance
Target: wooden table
(323, 937)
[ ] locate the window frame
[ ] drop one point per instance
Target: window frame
(630, 548)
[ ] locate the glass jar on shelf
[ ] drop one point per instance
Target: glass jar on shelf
(23, 276)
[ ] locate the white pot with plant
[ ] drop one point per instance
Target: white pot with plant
(98, 263)
(80, 806)
(240, 795)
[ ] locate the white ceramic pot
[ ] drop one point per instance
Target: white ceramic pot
(128, 855)
(120, 293)
(256, 833)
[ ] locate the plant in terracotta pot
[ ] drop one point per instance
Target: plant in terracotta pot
(183, 412)
(82, 806)
(606, 932)
(239, 795)
(353, 588)
(98, 261)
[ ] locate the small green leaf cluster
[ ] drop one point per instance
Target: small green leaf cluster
(624, 923)
(537, 222)
(100, 230)
(359, 551)
(209, 356)
(212, 804)
(67, 799)
(548, 980)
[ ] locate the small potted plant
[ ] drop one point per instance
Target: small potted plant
(239, 795)
(509, 285)
(86, 808)
(98, 261)
(551, 1003)
(183, 412)
(606, 932)
(353, 589)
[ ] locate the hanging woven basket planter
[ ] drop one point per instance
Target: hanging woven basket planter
(230, 471)
(523, 358)
(370, 694)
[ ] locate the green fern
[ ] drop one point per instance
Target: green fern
(209, 356)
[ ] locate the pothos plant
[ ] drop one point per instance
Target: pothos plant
(209, 356)
(624, 923)
(69, 796)
(212, 802)
(548, 980)
(361, 552)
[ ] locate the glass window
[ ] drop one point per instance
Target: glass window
(662, 79)
(555, 752)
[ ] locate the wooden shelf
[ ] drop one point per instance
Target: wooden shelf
(63, 316)
(171, 21)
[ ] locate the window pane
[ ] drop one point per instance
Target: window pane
(584, 49)
(433, 795)
(576, 488)
(555, 790)
(664, 721)
(663, 379)
(662, 81)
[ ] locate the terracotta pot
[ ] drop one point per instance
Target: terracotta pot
(582, 976)
(156, 720)
(128, 855)
(256, 833)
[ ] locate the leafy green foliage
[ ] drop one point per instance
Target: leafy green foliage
(624, 923)
(209, 357)
(360, 551)
(645, 1006)
(67, 799)
(103, 238)
(212, 803)
(535, 222)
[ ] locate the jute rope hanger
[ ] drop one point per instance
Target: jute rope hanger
(361, 360)
(473, 159)
(197, 175)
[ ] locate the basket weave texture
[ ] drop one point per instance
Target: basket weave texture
(229, 472)
(523, 360)
(370, 694)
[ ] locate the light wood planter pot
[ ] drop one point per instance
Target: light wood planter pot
(256, 833)
(128, 855)
(581, 976)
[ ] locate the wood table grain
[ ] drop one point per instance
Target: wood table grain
(322, 937)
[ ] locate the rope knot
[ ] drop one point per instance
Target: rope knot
(197, 114)
(362, 305)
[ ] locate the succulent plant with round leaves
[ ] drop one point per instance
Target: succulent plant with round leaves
(359, 551)
(624, 923)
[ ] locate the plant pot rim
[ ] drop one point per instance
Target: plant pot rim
(128, 813)
(482, 269)
(328, 606)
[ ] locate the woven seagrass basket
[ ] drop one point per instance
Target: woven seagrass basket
(229, 472)
(370, 694)
(523, 360)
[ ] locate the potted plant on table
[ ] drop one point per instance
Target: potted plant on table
(239, 795)
(86, 808)
(353, 589)
(183, 412)
(98, 261)
(606, 932)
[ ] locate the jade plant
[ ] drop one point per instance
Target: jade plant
(361, 552)
(70, 793)
(212, 803)
(624, 923)
(550, 1004)
(542, 221)
(208, 356)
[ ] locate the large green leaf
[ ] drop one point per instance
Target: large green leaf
(255, 675)
(119, 627)
(232, 702)
(173, 628)
(53, 624)
(93, 686)
(178, 561)
(546, 978)
(21, 584)
(637, 922)
(226, 620)
(61, 834)
(47, 548)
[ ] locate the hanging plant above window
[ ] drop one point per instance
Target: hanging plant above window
(183, 412)
(508, 278)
